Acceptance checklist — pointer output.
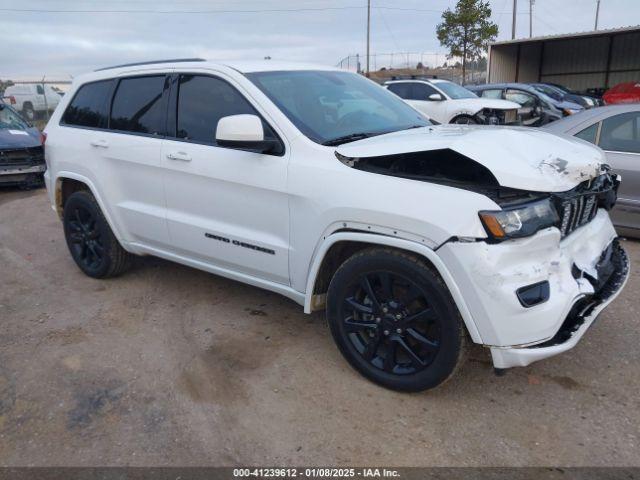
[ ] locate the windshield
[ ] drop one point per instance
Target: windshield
(336, 107)
(454, 91)
(10, 119)
(553, 92)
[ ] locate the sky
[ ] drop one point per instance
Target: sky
(62, 38)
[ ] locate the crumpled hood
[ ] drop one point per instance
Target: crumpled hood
(478, 104)
(10, 138)
(519, 157)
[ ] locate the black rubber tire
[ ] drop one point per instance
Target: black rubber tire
(115, 259)
(453, 343)
(464, 120)
(28, 112)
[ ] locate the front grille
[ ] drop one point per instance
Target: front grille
(21, 156)
(576, 212)
(578, 206)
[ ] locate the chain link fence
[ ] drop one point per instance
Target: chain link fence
(383, 66)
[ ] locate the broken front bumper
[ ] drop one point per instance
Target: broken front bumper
(493, 276)
(16, 174)
(582, 315)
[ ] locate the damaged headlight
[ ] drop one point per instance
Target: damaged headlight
(521, 221)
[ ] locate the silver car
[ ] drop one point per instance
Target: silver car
(615, 129)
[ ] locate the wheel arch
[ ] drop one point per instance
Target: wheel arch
(67, 183)
(339, 246)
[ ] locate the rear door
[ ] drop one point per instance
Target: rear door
(225, 207)
(128, 156)
(620, 138)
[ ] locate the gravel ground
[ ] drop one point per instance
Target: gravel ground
(168, 365)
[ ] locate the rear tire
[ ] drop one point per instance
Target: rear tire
(28, 112)
(394, 320)
(92, 244)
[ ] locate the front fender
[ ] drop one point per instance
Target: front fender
(399, 243)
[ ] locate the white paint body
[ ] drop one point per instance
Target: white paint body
(448, 109)
(299, 204)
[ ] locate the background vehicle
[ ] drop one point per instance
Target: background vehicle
(559, 94)
(615, 129)
(32, 99)
(322, 186)
(628, 92)
(448, 102)
(536, 108)
(589, 95)
(21, 151)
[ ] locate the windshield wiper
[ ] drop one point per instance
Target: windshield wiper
(352, 137)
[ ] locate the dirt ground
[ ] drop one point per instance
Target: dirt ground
(168, 365)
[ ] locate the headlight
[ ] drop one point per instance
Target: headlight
(570, 111)
(521, 221)
(589, 101)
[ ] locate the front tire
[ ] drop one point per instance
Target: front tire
(92, 244)
(394, 320)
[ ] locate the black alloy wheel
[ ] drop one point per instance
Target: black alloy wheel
(394, 320)
(92, 244)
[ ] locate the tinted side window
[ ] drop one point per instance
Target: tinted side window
(90, 105)
(523, 98)
(492, 93)
(39, 90)
(403, 90)
(202, 102)
(421, 91)
(589, 133)
(137, 105)
(621, 133)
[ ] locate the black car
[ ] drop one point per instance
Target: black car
(560, 93)
(21, 150)
(536, 108)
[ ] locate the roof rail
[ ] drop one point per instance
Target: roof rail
(413, 77)
(171, 60)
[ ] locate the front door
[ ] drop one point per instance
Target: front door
(225, 207)
(530, 112)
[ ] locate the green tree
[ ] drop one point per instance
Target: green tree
(467, 31)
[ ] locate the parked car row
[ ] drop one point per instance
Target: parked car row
(317, 184)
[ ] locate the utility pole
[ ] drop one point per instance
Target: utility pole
(531, 2)
(368, 31)
(513, 23)
(597, 13)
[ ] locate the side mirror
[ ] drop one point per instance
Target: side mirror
(436, 97)
(243, 132)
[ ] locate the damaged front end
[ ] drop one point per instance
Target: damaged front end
(550, 261)
(22, 166)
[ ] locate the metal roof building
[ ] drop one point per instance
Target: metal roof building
(580, 61)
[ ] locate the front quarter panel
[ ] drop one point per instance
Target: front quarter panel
(327, 196)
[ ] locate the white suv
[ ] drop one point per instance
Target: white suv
(448, 102)
(322, 186)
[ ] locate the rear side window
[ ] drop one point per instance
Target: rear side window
(202, 102)
(621, 133)
(403, 90)
(589, 133)
(138, 106)
(492, 93)
(90, 106)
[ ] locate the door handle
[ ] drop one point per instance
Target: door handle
(99, 143)
(182, 156)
